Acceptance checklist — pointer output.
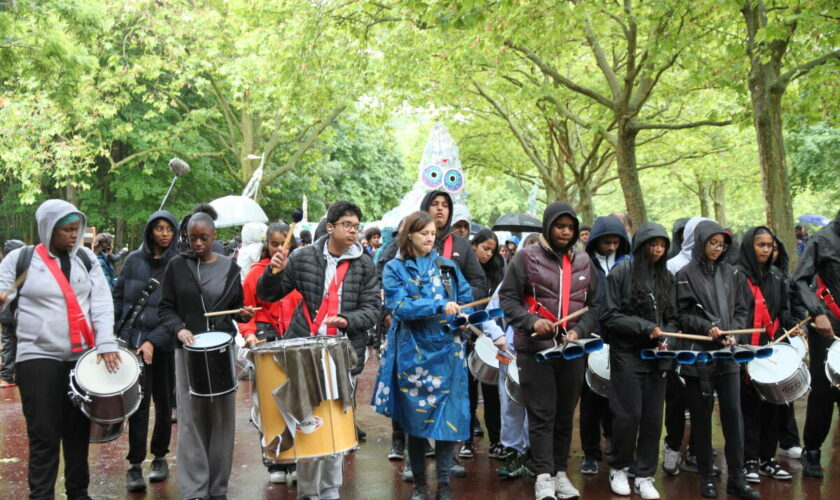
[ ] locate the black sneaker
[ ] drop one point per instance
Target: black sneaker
(134, 479)
(771, 468)
(159, 471)
(708, 488)
(467, 450)
(811, 464)
(751, 471)
(397, 452)
(512, 467)
(496, 451)
(430, 452)
(360, 433)
(589, 466)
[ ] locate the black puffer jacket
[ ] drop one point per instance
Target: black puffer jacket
(139, 267)
(697, 299)
(773, 287)
(629, 321)
(821, 257)
(305, 272)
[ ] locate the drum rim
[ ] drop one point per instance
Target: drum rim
(89, 392)
(215, 394)
(782, 348)
(210, 348)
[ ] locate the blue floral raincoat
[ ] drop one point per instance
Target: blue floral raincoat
(422, 380)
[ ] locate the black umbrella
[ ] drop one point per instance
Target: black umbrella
(517, 223)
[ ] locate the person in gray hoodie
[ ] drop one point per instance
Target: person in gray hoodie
(49, 345)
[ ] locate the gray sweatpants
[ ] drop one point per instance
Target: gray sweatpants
(320, 479)
(205, 438)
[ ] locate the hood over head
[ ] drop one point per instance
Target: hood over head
(551, 213)
(50, 213)
(608, 225)
(747, 259)
(648, 231)
(459, 213)
(782, 259)
(427, 200)
(148, 241)
(689, 236)
(676, 233)
(705, 230)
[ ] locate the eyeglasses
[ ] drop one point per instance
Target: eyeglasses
(717, 246)
(347, 225)
(163, 229)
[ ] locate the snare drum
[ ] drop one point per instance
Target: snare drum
(211, 365)
(782, 378)
(598, 372)
(483, 363)
(102, 433)
(832, 364)
(512, 385)
(331, 427)
(105, 397)
(799, 344)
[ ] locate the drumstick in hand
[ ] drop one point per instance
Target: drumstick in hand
(579, 312)
(743, 332)
(787, 333)
(297, 216)
(222, 313)
(686, 336)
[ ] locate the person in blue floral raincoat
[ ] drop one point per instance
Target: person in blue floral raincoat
(422, 382)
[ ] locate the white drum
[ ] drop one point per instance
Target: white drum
(782, 378)
(799, 344)
(482, 361)
(598, 371)
(832, 364)
(512, 385)
(105, 397)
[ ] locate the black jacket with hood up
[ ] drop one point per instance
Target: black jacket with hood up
(773, 287)
(699, 285)
(821, 257)
(630, 322)
(607, 225)
(139, 267)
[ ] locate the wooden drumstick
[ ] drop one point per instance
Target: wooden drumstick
(297, 216)
(743, 332)
(222, 313)
(787, 333)
(17, 282)
(579, 312)
(469, 304)
(686, 336)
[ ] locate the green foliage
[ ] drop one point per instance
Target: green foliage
(814, 155)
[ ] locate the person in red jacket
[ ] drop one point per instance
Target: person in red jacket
(270, 321)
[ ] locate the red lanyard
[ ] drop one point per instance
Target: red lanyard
(76, 321)
(761, 315)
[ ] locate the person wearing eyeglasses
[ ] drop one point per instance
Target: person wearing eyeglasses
(337, 261)
(136, 298)
(711, 300)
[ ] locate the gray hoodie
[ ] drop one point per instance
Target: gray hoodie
(680, 260)
(42, 328)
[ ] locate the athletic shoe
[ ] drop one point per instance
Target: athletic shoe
(690, 465)
(811, 464)
(544, 488)
(397, 452)
(420, 492)
(496, 451)
(528, 466)
(643, 486)
(360, 433)
(742, 490)
(277, 476)
(671, 461)
(708, 488)
(512, 467)
(430, 452)
(772, 468)
(792, 452)
(134, 479)
(407, 475)
(751, 471)
(563, 487)
(589, 466)
(159, 471)
(458, 470)
(467, 450)
(618, 482)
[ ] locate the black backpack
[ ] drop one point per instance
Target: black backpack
(24, 259)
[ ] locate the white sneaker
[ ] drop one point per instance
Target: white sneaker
(544, 487)
(618, 482)
(671, 461)
(563, 487)
(792, 452)
(277, 477)
(643, 486)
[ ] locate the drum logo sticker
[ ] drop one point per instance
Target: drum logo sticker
(310, 424)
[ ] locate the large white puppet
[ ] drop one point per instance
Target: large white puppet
(439, 169)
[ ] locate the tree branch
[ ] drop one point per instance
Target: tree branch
(803, 69)
(680, 126)
(178, 152)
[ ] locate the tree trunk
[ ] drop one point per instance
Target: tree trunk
(705, 199)
(585, 207)
(628, 174)
(718, 193)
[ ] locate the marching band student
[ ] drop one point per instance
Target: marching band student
(820, 262)
(195, 283)
(422, 383)
(545, 282)
(767, 301)
(608, 246)
(64, 308)
(334, 273)
(270, 321)
(136, 298)
(710, 298)
(640, 304)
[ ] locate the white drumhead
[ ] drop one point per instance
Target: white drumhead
(513, 371)
(210, 340)
(833, 357)
(486, 351)
(599, 362)
(778, 367)
(798, 343)
(94, 378)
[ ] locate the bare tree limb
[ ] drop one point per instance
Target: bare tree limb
(680, 126)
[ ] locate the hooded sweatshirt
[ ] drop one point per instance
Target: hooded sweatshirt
(684, 257)
(139, 268)
(630, 322)
(821, 258)
(42, 328)
(607, 226)
(677, 236)
(773, 286)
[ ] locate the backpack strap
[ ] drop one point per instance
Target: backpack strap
(446, 278)
(21, 266)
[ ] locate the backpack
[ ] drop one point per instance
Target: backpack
(24, 259)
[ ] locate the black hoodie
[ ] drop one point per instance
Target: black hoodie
(772, 284)
(821, 257)
(703, 290)
(139, 267)
(630, 323)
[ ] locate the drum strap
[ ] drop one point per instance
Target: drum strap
(534, 307)
(329, 304)
(76, 320)
(825, 295)
(761, 315)
(447, 247)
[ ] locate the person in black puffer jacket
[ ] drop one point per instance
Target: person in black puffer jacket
(710, 298)
(136, 298)
(311, 271)
(640, 303)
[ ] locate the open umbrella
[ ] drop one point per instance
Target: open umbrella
(237, 210)
(517, 223)
(817, 220)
